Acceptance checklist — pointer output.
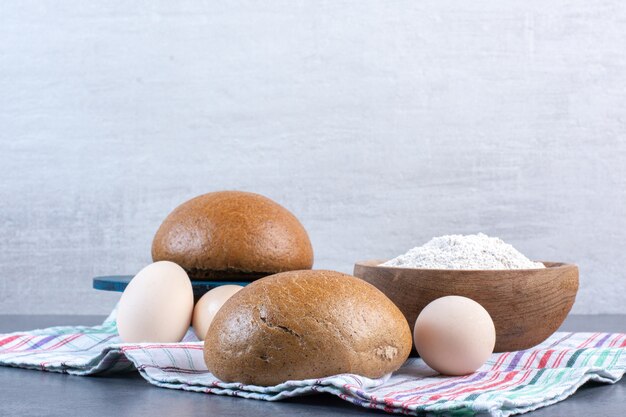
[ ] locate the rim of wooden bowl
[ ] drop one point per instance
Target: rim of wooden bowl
(375, 263)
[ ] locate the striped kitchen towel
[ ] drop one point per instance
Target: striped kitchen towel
(509, 383)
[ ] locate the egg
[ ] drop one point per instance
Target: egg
(454, 335)
(208, 305)
(156, 306)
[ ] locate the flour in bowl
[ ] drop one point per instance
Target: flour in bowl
(464, 252)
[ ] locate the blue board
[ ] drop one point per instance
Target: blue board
(119, 282)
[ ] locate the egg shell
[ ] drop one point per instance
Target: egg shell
(156, 306)
(454, 335)
(208, 305)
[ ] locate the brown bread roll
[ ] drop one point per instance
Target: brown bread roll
(232, 235)
(306, 324)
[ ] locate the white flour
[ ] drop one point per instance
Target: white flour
(464, 252)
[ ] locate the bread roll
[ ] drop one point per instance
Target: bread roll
(232, 235)
(306, 324)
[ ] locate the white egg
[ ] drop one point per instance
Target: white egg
(156, 306)
(454, 335)
(208, 305)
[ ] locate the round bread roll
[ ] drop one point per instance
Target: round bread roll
(232, 235)
(306, 324)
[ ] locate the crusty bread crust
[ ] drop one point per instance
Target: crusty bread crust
(306, 324)
(235, 232)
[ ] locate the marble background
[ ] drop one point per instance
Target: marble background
(379, 124)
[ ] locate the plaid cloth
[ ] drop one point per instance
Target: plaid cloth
(509, 383)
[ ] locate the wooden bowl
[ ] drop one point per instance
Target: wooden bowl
(526, 305)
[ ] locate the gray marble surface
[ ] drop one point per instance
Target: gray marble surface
(379, 124)
(33, 393)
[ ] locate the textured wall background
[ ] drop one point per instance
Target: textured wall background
(379, 124)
